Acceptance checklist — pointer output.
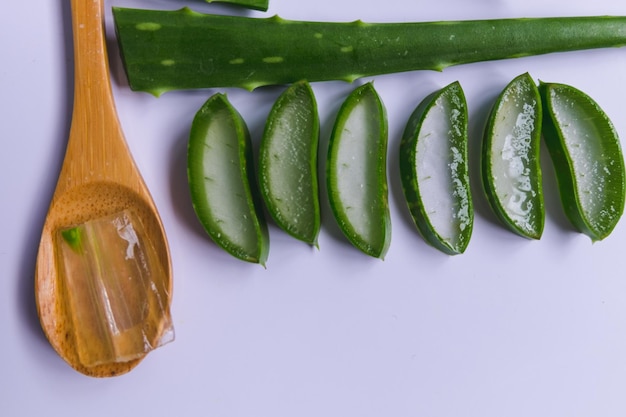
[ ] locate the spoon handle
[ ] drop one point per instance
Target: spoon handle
(97, 150)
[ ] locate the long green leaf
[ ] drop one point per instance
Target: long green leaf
(183, 49)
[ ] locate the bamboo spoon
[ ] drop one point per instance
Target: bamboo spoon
(98, 179)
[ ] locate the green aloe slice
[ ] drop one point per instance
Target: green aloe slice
(357, 172)
(511, 171)
(288, 163)
(587, 156)
(434, 170)
(222, 183)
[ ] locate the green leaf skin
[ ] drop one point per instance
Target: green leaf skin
(74, 238)
(250, 4)
(356, 172)
(222, 182)
(183, 49)
(587, 158)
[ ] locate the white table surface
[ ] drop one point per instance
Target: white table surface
(512, 327)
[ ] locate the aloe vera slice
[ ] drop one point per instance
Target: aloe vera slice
(511, 171)
(165, 50)
(288, 163)
(250, 4)
(587, 156)
(357, 172)
(434, 170)
(222, 183)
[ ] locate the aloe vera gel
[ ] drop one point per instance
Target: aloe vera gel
(117, 304)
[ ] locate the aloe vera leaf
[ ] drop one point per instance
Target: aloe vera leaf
(587, 157)
(183, 49)
(510, 165)
(250, 4)
(288, 163)
(222, 182)
(434, 170)
(356, 172)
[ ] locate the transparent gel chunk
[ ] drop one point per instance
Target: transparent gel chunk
(118, 302)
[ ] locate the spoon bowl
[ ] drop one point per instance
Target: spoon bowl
(98, 179)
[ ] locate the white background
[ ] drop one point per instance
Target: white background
(512, 327)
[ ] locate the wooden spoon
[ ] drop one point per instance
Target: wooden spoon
(98, 179)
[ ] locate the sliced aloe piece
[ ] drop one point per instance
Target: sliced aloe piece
(511, 171)
(357, 172)
(587, 156)
(434, 170)
(288, 163)
(222, 183)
